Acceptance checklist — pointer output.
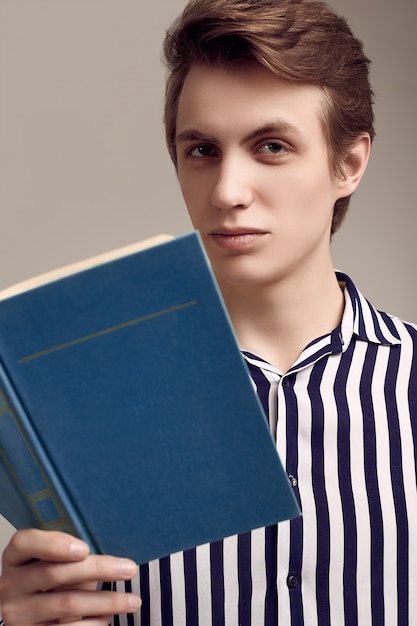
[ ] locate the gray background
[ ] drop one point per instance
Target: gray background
(83, 165)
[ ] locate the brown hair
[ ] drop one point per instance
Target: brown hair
(302, 41)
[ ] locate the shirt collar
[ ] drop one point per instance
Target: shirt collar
(362, 320)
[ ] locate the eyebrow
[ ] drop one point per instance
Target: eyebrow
(194, 135)
(276, 126)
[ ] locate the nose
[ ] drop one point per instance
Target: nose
(232, 189)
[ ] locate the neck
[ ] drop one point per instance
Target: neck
(276, 322)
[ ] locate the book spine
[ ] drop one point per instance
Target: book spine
(31, 471)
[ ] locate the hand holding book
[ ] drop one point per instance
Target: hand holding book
(50, 577)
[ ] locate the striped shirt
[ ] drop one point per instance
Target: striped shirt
(345, 421)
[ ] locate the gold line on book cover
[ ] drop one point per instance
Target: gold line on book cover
(106, 331)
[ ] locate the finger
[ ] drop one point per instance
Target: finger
(32, 543)
(89, 621)
(68, 606)
(42, 576)
(104, 619)
(81, 586)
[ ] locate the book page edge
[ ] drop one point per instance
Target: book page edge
(79, 266)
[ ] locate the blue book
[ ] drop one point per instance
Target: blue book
(127, 414)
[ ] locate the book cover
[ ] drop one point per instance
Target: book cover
(127, 414)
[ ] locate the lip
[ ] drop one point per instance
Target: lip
(238, 239)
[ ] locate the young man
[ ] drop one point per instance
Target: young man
(269, 124)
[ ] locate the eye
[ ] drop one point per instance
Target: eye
(203, 150)
(272, 148)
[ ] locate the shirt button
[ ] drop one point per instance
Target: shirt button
(292, 581)
(293, 480)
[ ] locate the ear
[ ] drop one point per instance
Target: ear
(354, 165)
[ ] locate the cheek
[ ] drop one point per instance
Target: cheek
(305, 195)
(196, 192)
(194, 203)
(187, 189)
(301, 209)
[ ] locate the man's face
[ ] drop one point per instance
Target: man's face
(254, 170)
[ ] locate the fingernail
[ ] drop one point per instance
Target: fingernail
(78, 549)
(127, 567)
(134, 602)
